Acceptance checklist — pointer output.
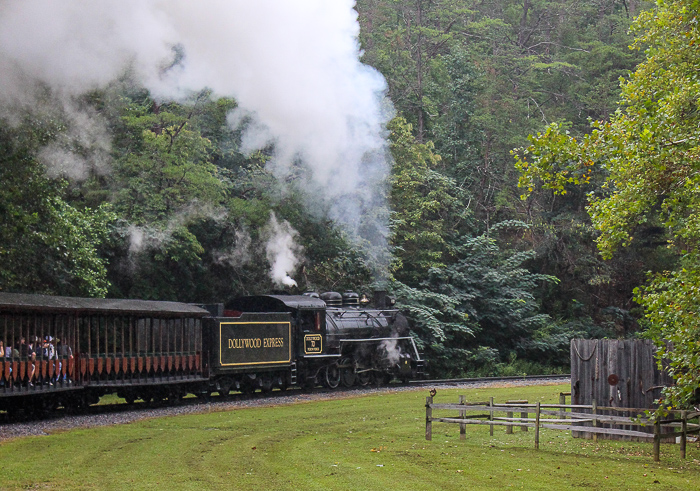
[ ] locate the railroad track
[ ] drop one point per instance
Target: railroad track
(457, 381)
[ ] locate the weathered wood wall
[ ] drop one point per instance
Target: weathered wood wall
(617, 373)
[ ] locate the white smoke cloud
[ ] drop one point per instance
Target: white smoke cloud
(239, 254)
(293, 67)
(83, 148)
(142, 237)
(283, 253)
(393, 351)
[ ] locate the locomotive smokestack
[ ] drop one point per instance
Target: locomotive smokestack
(380, 299)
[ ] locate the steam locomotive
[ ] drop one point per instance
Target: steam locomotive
(64, 351)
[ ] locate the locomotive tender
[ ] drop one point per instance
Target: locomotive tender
(71, 351)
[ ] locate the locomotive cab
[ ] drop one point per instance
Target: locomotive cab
(308, 318)
(312, 325)
(308, 315)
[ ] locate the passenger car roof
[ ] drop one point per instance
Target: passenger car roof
(23, 302)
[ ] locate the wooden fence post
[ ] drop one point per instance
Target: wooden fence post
(524, 416)
(657, 439)
(491, 416)
(594, 410)
(428, 418)
(462, 415)
(537, 426)
(509, 429)
(562, 401)
(684, 431)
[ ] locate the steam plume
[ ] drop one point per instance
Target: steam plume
(293, 68)
(393, 351)
(283, 252)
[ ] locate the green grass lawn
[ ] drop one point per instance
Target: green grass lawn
(369, 442)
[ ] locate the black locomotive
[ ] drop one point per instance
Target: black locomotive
(62, 351)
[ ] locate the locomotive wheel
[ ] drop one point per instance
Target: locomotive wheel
(347, 377)
(332, 376)
(248, 388)
(347, 372)
(364, 378)
(382, 378)
(224, 387)
(266, 384)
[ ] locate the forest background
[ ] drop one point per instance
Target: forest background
(494, 282)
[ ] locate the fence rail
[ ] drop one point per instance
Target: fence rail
(581, 418)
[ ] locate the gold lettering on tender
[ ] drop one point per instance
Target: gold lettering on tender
(248, 343)
(244, 343)
(273, 343)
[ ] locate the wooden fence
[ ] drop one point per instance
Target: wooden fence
(577, 417)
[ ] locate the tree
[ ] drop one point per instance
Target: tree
(648, 153)
(421, 200)
(46, 245)
(404, 41)
(164, 163)
(477, 310)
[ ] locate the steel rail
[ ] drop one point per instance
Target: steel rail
(489, 379)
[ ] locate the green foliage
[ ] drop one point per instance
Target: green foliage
(483, 300)
(475, 79)
(421, 200)
(648, 154)
(46, 245)
(672, 301)
(165, 163)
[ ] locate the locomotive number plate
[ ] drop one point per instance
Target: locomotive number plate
(254, 343)
(313, 343)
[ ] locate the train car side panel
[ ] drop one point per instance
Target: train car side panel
(254, 341)
(251, 341)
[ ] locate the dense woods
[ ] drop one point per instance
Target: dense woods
(496, 259)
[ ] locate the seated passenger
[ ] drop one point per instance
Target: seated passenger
(27, 351)
(48, 353)
(63, 352)
(9, 354)
(2, 358)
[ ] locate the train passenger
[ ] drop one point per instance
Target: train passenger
(53, 359)
(6, 353)
(64, 352)
(48, 353)
(27, 351)
(2, 358)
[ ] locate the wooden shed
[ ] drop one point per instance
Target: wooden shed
(616, 373)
